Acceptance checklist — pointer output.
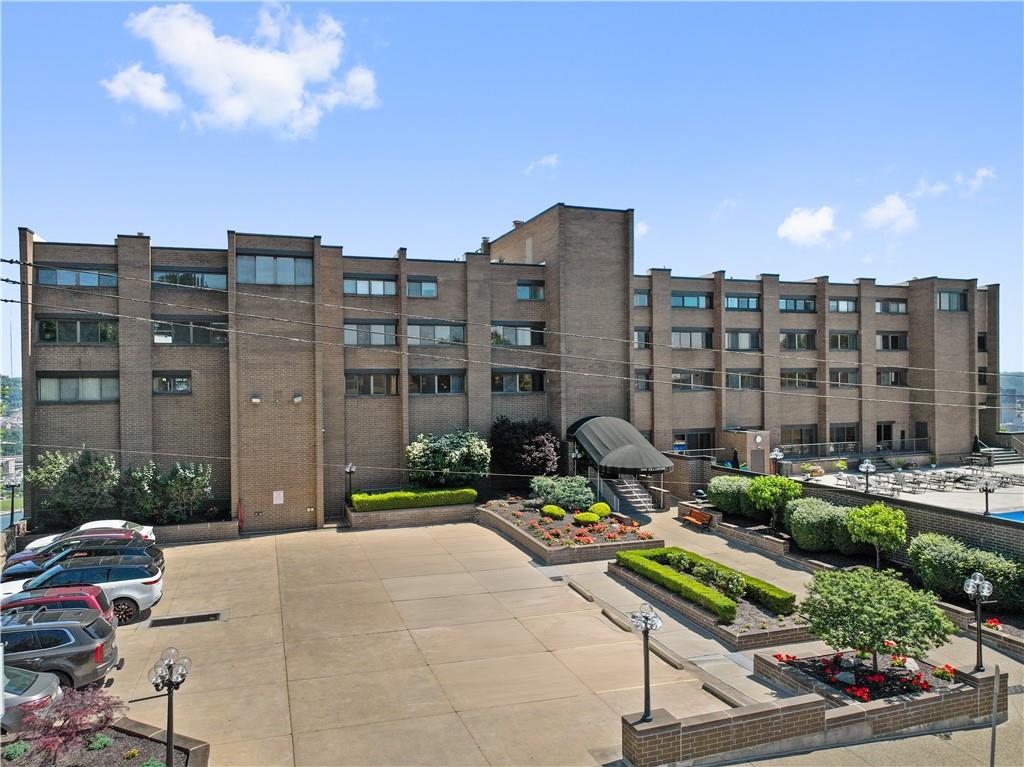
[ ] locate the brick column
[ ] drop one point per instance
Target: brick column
(649, 744)
(663, 417)
(135, 346)
(478, 332)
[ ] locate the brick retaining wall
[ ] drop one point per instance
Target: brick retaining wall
(1004, 641)
(196, 532)
(425, 515)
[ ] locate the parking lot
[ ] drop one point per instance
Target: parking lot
(433, 646)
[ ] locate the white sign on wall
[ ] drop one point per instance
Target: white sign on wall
(278, 497)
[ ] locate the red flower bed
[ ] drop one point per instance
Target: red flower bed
(566, 532)
(856, 677)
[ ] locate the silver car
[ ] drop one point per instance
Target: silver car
(23, 687)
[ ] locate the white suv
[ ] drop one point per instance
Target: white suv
(132, 584)
(143, 531)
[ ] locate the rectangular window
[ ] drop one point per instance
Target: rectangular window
(736, 379)
(799, 435)
(743, 303)
(892, 377)
(797, 379)
(642, 338)
(172, 383)
(190, 332)
(842, 305)
(691, 339)
(886, 341)
(370, 286)
(846, 434)
(83, 278)
(643, 380)
(844, 377)
(530, 290)
(272, 270)
(951, 301)
(842, 342)
(982, 376)
(517, 383)
(436, 335)
(76, 331)
(693, 440)
(187, 279)
(793, 304)
(370, 334)
(374, 384)
(70, 388)
(421, 287)
(891, 306)
(743, 340)
(796, 339)
(691, 380)
(982, 342)
(641, 298)
(691, 301)
(437, 383)
(517, 335)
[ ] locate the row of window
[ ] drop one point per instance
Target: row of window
(189, 279)
(386, 383)
(425, 287)
(273, 270)
(190, 332)
(945, 300)
(789, 340)
(83, 278)
(81, 388)
(701, 380)
(77, 331)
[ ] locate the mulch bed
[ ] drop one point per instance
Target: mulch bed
(114, 754)
(752, 617)
(526, 514)
(856, 678)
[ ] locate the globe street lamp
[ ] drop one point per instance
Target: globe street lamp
(350, 469)
(776, 455)
(646, 621)
(576, 455)
(868, 469)
(988, 486)
(169, 674)
(978, 589)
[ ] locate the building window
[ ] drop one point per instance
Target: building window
(891, 306)
(844, 436)
(172, 383)
(77, 331)
(982, 342)
(273, 270)
(517, 383)
(370, 286)
(641, 298)
(691, 339)
(691, 301)
(693, 440)
(793, 340)
(742, 340)
(77, 388)
(436, 335)
(844, 377)
(743, 303)
(190, 332)
(517, 335)
(951, 301)
(892, 377)
(789, 304)
(982, 376)
(437, 383)
(842, 342)
(642, 338)
(796, 436)
(370, 334)
(530, 290)
(735, 379)
(797, 379)
(376, 384)
(691, 380)
(643, 380)
(420, 287)
(890, 342)
(72, 277)
(842, 305)
(187, 279)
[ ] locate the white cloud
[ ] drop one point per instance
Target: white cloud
(723, 208)
(642, 229)
(891, 214)
(287, 79)
(147, 89)
(973, 184)
(808, 227)
(924, 189)
(549, 161)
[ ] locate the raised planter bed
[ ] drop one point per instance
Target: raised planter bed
(1009, 640)
(196, 532)
(427, 515)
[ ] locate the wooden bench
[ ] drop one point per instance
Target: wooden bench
(698, 517)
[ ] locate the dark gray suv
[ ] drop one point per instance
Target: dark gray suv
(76, 645)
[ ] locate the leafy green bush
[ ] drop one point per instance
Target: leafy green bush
(152, 763)
(882, 526)
(568, 492)
(600, 508)
(14, 751)
(524, 447)
(763, 593)
(811, 526)
(441, 460)
(99, 741)
(555, 512)
(943, 564)
(801, 503)
(727, 493)
(77, 487)
(411, 499)
(645, 563)
(768, 495)
(586, 518)
(727, 581)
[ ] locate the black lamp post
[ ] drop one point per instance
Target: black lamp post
(646, 621)
(978, 589)
(13, 486)
(776, 455)
(576, 455)
(350, 469)
(169, 674)
(988, 486)
(868, 469)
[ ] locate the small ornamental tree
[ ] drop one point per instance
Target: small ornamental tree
(882, 526)
(458, 458)
(770, 494)
(184, 488)
(54, 728)
(138, 494)
(76, 486)
(524, 447)
(866, 609)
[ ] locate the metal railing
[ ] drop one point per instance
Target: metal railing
(604, 489)
(854, 449)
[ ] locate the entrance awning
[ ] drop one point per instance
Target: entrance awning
(614, 445)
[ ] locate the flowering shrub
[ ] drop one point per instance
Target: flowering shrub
(611, 537)
(994, 623)
(946, 672)
(460, 457)
(644, 535)
(874, 678)
(921, 683)
(860, 693)
(785, 657)
(899, 661)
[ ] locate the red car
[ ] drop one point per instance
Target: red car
(49, 550)
(61, 598)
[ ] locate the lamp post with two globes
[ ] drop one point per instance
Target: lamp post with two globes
(978, 589)
(169, 674)
(646, 620)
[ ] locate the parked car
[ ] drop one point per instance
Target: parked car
(132, 584)
(78, 646)
(134, 548)
(61, 598)
(23, 691)
(146, 531)
(71, 540)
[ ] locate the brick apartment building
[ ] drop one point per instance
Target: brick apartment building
(299, 359)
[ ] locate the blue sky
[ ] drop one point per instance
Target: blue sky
(850, 140)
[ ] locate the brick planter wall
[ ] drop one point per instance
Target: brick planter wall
(1000, 640)
(426, 515)
(196, 532)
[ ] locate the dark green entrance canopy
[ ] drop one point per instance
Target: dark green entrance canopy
(614, 445)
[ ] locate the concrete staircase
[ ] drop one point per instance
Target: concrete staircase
(999, 455)
(633, 496)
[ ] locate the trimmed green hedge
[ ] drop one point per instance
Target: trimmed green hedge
(728, 494)
(645, 562)
(764, 593)
(411, 499)
(586, 518)
(555, 512)
(944, 563)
